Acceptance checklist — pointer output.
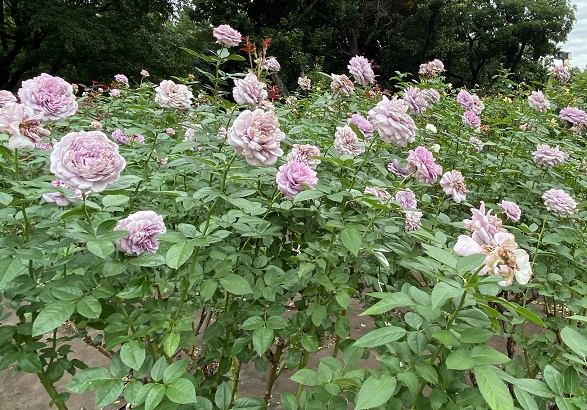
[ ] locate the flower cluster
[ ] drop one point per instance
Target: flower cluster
(142, 227)
(431, 69)
(470, 102)
(256, 136)
(391, 120)
(249, 90)
(561, 74)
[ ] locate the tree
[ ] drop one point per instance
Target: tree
(81, 38)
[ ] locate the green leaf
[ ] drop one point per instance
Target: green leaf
(89, 307)
(459, 360)
(155, 393)
(525, 399)
(148, 259)
(441, 256)
(52, 316)
(475, 335)
(310, 342)
(381, 336)
(492, 388)
(262, 339)
(249, 403)
(576, 341)
(442, 292)
(390, 302)
(427, 372)
(170, 343)
(307, 377)
(181, 391)
(446, 337)
(375, 392)
(203, 403)
(554, 379)
(100, 248)
(178, 254)
(237, 285)
(158, 369)
(175, 371)
(109, 392)
(308, 194)
(88, 379)
(351, 239)
(485, 354)
(114, 200)
(223, 396)
(30, 363)
(289, 401)
(10, 268)
(133, 354)
(471, 262)
(5, 199)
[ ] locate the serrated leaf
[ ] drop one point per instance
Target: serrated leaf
(154, 396)
(88, 379)
(554, 379)
(170, 344)
(114, 200)
(148, 259)
(485, 354)
(175, 371)
(100, 248)
(181, 391)
(525, 399)
(474, 335)
(459, 360)
(307, 377)
(237, 285)
(52, 316)
(249, 403)
(178, 254)
(375, 392)
(158, 369)
(441, 255)
(89, 307)
(351, 239)
(381, 336)
(442, 292)
(310, 342)
(492, 388)
(470, 263)
(133, 354)
(575, 340)
(427, 372)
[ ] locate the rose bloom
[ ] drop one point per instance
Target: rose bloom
(302, 153)
(361, 70)
(142, 227)
(6, 97)
(305, 83)
(503, 257)
(453, 183)
(431, 69)
(115, 92)
(226, 36)
(415, 100)
(346, 141)
(271, 64)
(292, 178)
(559, 201)
(412, 221)
(472, 120)
(256, 136)
(87, 160)
(97, 125)
(49, 95)
(363, 124)
(171, 95)
(23, 126)
(511, 210)
(170, 131)
(422, 164)
(121, 78)
(483, 225)
(431, 95)
(119, 136)
(396, 169)
(145, 73)
(561, 74)
(573, 115)
(477, 143)
(391, 120)
(406, 198)
(537, 100)
(343, 84)
(378, 192)
(549, 157)
(249, 90)
(138, 138)
(58, 197)
(431, 128)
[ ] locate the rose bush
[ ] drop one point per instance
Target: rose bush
(196, 248)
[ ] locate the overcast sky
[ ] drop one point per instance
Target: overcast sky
(577, 40)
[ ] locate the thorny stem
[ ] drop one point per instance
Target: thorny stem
(55, 396)
(275, 360)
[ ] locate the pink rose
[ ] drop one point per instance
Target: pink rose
(142, 227)
(171, 95)
(226, 36)
(361, 70)
(87, 160)
(293, 176)
(49, 95)
(391, 120)
(249, 90)
(23, 126)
